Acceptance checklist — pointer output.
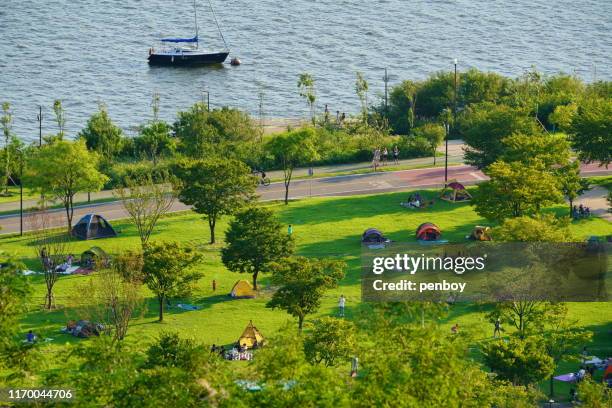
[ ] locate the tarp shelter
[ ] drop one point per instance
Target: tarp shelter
(251, 337)
(480, 233)
(455, 192)
(242, 289)
(93, 255)
(428, 232)
(93, 226)
(372, 235)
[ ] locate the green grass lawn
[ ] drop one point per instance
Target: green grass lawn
(322, 227)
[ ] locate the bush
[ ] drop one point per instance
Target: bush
(139, 170)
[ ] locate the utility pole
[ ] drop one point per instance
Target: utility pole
(386, 79)
(261, 112)
(207, 99)
(20, 193)
(39, 117)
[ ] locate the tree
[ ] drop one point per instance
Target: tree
(255, 239)
(102, 135)
(60, 119)
(572, 184)
(306, 88)
(225, 132)
(543, 228)
(155, 141)
(167, 271)
(591, 130)
(562, 336)
(594, 395)
(561, 117)
(521, 361)
(62, 169)
(146, 202)
(548, 150)
(215, 187)
(302, 283)
(486, 125)
(515, 189)
(292, 149)
(330, 342)
(402, 104)
(434, 134)
(7, 123)
(172, 351)
(361, 89)
(51, 249)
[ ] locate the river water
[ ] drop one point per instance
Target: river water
(86, 51)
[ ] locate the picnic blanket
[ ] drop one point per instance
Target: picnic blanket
(185, 306)
(570, 377)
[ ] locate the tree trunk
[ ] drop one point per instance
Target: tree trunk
(255, 279)
(211, 224)
(551, 386)
(571, 206)
(68, 218)
(434, 156)
(49, 299)
(161, 308)
(300, 323)
(288, 173)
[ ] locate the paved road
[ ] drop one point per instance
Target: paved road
(332, 186)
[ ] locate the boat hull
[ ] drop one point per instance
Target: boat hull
(187, 59)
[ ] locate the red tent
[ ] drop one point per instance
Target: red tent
(428, 232)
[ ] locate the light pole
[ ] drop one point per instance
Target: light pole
(39, 117)
(455, 102)
(386, 79)
(207, 99)
(446, 131)
(20, 192)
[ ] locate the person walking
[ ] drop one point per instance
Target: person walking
(497, 329)
(395, 154)
(289, 230)
(341, 304)
(376, 159)
(385, 156)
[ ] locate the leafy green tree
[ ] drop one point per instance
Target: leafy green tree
(562, 336)
(172, 351)
(594, 395)
(561, 117)
(571, 183)
(215, 187)
(435, 94)
(402, 107)
(515, 189)
(361, 89)
(549, 150)
(255, 238)
(102, 135)
(544, 228)
(520, 361)
(302, 283)
(63, 169)
(155, 141)
(225, 132)
(60, 119)
(591, 130)
(167, 270)
(434, 134)
(7, 122)
(306, 88)
(330, 342)
(292, 149)
(485, 126)
(477, 86)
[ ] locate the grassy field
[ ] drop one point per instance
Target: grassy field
(322, 227)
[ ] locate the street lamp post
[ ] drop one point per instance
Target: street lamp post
(455, 102)
(207, 99)
(20, 193)
(446, 131)
(39, 117)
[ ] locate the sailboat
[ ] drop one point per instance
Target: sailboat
(187, 51)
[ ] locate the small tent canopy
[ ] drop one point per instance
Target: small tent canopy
(242, 290)
(480, 233)
(372, 235)
(93, 226)
(90, 256)
(251, 337)
(455, 192)
(428, 232)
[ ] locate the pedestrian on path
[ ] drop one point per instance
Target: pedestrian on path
(341, 304)
(395, 154)
(497, 329)
(385, 156)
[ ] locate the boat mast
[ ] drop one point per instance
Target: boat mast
(217, 23)
(195, 17)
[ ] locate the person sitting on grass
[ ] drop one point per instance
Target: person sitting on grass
(30, 337)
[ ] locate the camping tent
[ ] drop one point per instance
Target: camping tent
(372, 235)
(242, 289)
(93, 255)
(428, 232)
(251, 337)
(480, 233)
(93, 226)
(455, 192)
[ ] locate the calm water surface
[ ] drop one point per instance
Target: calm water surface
(85, 51)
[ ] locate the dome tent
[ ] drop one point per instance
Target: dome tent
(242, 290)
(428, 232)
(372, 235)
(455, 192)
(93, 226)
(251, 337)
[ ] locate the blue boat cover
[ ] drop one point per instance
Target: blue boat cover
(194, 39)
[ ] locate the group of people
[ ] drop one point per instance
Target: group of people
(238, 352)
(414, 201)
(381, 157)
(581, 212)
